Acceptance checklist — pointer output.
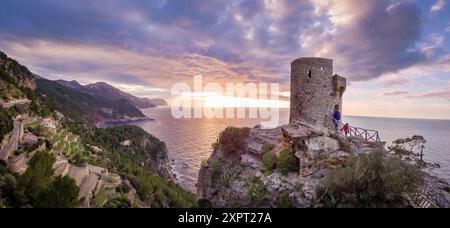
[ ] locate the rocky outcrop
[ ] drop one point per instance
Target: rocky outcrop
(20, 74)
(437, 190)
(247, 183)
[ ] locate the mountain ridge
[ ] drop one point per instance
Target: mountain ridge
(107, 91)
(18, 74)
(96, 109)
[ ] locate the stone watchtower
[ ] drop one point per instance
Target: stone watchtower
(315, 92)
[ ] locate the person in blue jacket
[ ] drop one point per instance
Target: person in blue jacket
(337, 118)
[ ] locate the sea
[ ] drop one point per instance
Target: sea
(189, 141)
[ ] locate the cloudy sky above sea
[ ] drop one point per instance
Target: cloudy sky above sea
(395, 54)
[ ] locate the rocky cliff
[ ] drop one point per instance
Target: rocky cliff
(248, 178)
(20, 74)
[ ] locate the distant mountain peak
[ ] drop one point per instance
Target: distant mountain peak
(71, 84)
(100, 84)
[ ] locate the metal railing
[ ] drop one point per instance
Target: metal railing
(368, 135)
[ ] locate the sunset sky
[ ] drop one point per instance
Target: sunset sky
(395, 54)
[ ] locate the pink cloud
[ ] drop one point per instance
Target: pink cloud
(396, 93)
(396, 80)
(438, 6)
(445, 93)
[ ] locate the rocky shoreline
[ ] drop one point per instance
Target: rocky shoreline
(106, 123)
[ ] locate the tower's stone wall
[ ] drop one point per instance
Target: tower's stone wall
(314, 90)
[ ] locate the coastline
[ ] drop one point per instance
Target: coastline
(107, 123)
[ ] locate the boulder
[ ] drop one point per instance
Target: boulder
(251, 161)
(322, 144)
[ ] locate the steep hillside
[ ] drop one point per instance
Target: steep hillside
(79, 105)
(20, 74)
(106, 91)
(51, 155)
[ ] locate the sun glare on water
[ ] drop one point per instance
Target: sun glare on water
(217, 100)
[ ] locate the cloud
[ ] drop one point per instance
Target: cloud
(129, 69)
(438, 6)
(251, 40)
(371, 38)
(440, 65)
(396, 93)
(443, 93)
(396, 80)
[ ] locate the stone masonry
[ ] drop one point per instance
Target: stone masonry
(315, 91)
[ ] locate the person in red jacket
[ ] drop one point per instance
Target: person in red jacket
(346, 129)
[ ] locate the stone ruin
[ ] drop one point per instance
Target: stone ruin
(315, 91)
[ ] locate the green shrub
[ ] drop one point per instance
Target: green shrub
(121, 202)
(216, 171)
(204, 203)
(160, 193)
(123, 187)
(269, 160)
(39, 175)
(267, 147)
(79, 159)
(256, 190)
(369, 181)
(216, 166)
(61, 193)
(284, 201)
(287, 162)
(6, 123)
(37, 130)
(225, 180)
(232, 142)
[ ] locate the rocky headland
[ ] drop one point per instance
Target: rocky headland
(284, 167)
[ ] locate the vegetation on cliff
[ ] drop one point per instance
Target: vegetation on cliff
(370, 181)
(6, 123)
(285, 161)
(411, 150)
(37, 187)
(145, 174)
(138, 162)
(300, 165)
(232, 142)
(19, 74)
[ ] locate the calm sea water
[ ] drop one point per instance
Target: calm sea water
(189, 140)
